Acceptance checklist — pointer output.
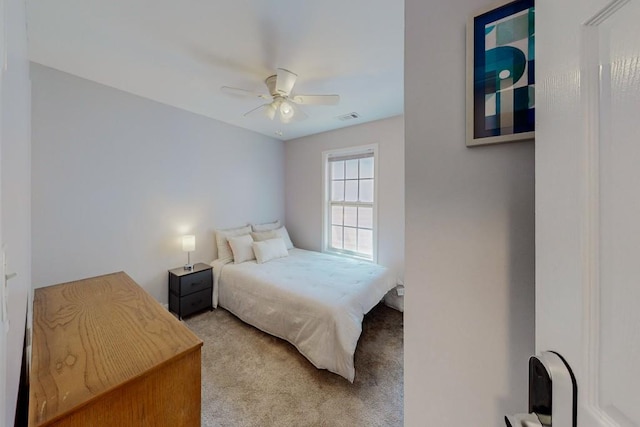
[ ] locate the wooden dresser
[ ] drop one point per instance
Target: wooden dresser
(105, 353)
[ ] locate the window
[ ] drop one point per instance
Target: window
(350, 202)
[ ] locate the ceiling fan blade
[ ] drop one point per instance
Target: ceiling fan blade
(243, 93)
(285, 81)
(267, 110)
(316, 99)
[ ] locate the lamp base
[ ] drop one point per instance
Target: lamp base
(188, 267)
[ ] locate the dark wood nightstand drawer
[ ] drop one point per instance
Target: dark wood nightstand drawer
(191, 283)
(195, 302)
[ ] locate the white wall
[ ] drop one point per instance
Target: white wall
(469, 305)
(117, 179)
(303, 185)
(15, 199)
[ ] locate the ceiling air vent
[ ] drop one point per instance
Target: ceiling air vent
(349, 116)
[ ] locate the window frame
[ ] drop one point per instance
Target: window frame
(326, 200)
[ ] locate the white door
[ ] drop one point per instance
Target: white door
(588, 200)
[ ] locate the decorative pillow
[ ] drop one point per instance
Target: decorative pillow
(241, 248)
(222, 237)
(270, 249)
(259, 236)
(282, 232)
(266, 226)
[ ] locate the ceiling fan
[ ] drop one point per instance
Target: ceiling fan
(283, 104)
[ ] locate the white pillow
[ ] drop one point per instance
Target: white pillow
(259, 236)
(266, 226)
(222, 237)
(282, 232)
(241, 248)
(270, 249)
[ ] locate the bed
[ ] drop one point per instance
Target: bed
(313, 300)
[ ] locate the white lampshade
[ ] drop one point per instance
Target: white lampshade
(286, 110)
(188, 243)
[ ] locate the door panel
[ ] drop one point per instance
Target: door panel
(619, 182)
(588, 201)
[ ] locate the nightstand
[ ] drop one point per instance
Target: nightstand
(190, 291)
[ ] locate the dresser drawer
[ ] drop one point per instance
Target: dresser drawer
(191, 283)
(195, 302)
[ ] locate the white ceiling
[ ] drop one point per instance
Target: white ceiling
(181, 52)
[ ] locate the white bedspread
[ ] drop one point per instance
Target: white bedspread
(313, 300)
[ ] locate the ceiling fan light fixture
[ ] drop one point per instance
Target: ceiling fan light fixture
(270, 111)
(286, 111)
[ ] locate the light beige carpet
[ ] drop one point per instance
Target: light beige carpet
(250, 378)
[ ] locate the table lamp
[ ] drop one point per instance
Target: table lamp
(188, 245)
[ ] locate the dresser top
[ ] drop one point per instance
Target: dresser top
(91, 336)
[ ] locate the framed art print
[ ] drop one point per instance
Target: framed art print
(500, 73)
